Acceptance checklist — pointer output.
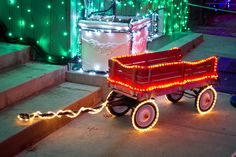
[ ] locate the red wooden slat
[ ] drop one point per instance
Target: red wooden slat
(166, 69)
(147, 56)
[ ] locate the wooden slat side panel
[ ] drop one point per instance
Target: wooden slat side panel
(150, 56)
(202, 69)
(167, 69)
(169, 76)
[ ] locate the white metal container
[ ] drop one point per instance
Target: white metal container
(102, 39)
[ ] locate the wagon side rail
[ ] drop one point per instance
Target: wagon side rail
(150, 58)
(162, 78)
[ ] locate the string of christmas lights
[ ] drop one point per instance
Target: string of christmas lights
(39, 20)
(68, 113)
(47, 23)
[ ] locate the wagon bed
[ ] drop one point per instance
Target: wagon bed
(136, 79)
(145, 75)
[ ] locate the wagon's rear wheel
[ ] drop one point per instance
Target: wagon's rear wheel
(206, 99)
(145, 115)
(118, 104)
(175, 97)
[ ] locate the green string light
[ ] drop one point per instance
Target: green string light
(65, 33)
(49, 6)
(9, 34)
(175, 16)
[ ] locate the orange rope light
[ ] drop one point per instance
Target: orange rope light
(150, 88)
(162, 64)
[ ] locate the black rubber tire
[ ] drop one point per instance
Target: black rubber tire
(117, 100)
(114, 112)
(171, 97)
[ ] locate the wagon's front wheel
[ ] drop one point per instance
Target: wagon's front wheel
(206, 99)
(145, 115)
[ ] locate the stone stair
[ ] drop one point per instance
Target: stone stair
(27, 87)
(185, 41)
(26, 79)
(16, 135)
(13, 54)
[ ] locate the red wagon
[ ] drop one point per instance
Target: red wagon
(136, 79)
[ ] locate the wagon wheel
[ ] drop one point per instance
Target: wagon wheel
(205, 100)
(145, 115)
(118, 104)
(175, 97)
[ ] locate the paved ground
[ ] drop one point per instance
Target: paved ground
(214, 45)
(223, 25)
(180, 131)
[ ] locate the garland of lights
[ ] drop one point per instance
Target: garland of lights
(175, 19)
(68, 113)
(32, 24)
(116, 59)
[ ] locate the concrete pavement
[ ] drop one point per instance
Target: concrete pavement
(214, 45)
(181, 131)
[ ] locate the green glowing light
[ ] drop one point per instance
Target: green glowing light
(175, 19)
(12, 2)
(21, 23)
(49, 57)
(65, 33)
(21, 38)
(102, 5)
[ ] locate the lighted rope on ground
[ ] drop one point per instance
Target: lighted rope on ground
(68, 113)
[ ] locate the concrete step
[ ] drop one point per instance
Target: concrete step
(184, 41)
(26, 79)
(93, 80)
(13, 54)
(16, 136)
